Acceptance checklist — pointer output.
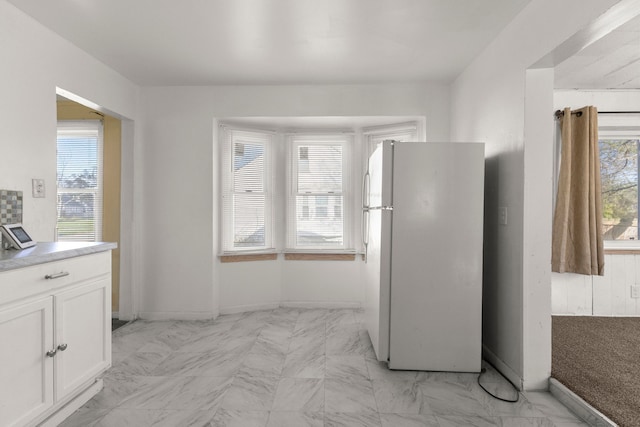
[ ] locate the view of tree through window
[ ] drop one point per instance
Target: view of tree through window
(619, 176)
(79, 182)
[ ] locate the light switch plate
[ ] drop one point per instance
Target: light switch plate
(37, 188)
(635, 291)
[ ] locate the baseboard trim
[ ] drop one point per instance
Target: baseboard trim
(288, 304)
(502, 367)
(73, 405)
(176, 315)
(320, 304)
(204, 315)
(248, 307)
(577, 405)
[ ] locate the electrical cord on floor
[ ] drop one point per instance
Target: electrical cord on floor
(482, 371)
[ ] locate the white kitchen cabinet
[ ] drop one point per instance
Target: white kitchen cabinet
(55, 332)
(82, 334)
(26, 374)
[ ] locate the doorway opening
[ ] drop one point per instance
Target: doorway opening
(594, 316)
(89, 146)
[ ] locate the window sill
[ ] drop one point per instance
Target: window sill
(622, 251)
(310, 256)
(622, 247)
(248, 257)
(288, 256)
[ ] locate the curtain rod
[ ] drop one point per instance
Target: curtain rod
(560, 113)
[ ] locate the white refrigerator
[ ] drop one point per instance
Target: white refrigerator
(422, 231)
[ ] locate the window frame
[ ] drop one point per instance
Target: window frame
(346, 141)
(621, 126)
(230, 136)
(374, 135)
(98, 191)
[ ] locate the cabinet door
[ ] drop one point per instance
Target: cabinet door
(83, 335)
(26, 373)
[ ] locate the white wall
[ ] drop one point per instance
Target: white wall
(603, 100)
(36, 61)
(172, 175)
(610, 295)
(269, 284)
(488, 104)
(181, 178)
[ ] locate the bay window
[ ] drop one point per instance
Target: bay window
(295, 191)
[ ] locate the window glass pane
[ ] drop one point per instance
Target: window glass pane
(248, 167)
(305, 207)
(248, 220)
(76, 217)
(619, 175)
(79, 181)
(318, 224)
(78, 160)
(319, 168)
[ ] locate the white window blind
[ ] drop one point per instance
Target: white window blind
(79, 181)
(318, 182)
(247, 191)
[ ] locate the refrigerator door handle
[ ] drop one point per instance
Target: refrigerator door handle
(365, 231)
(365, 213)
(366, 179)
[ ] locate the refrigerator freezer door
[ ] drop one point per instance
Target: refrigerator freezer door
(380, 169)
(436, 266)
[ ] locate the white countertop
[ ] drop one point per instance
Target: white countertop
(11, 259)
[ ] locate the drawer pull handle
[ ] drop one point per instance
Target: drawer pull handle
(56, 275)
(51, 353)
(62, 347)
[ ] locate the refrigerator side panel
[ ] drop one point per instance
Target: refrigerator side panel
(436, 267)
(377, 282)
(387, 165)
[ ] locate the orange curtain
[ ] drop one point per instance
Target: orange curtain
(577, 222)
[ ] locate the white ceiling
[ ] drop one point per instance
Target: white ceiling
(613, 62)
(206, 42)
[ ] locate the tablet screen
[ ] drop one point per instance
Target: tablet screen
(21, 235)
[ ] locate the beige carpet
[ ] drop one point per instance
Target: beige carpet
(598, 358)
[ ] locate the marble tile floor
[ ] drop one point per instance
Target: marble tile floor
(290, 368)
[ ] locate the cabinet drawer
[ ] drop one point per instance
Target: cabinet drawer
(43, 278)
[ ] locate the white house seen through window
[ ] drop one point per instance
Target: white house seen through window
(317, 177)
(247, 193)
